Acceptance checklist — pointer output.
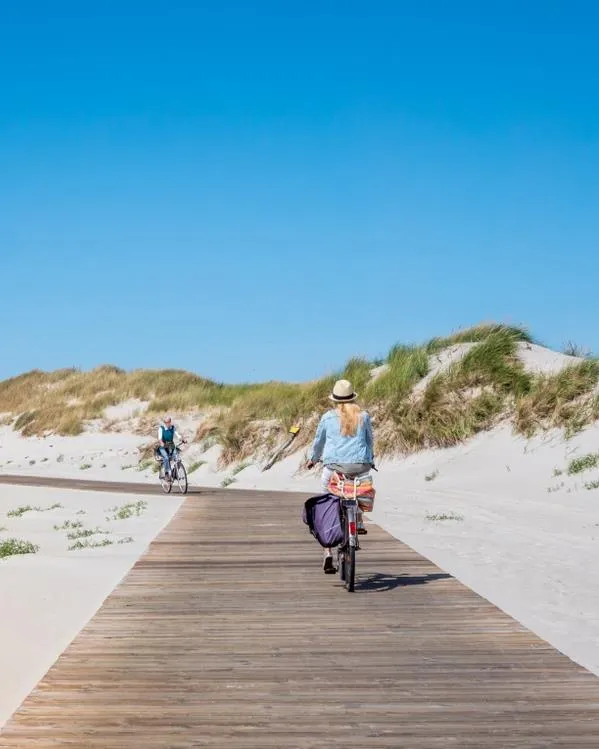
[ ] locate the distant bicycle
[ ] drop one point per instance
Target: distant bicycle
(178, 473)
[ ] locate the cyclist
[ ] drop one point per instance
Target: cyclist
(344, 442)
(167, 432)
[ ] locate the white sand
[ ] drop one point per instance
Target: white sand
(49, 596)
(540, 360)
(128, 409)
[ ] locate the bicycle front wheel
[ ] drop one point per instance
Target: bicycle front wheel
(166, 485)
(181, 478)
(350, 568)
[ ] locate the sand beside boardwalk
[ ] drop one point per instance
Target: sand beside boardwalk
(47, 597)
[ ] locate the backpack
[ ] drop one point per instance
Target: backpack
(322, 515)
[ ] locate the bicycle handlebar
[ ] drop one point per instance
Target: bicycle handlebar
(318, 462)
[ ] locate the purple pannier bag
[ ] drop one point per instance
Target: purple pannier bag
(322, 514)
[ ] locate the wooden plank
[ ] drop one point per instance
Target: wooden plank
(226, 633)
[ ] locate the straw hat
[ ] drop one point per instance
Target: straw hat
(343, 392)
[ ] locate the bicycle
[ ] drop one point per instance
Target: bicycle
(178, 472)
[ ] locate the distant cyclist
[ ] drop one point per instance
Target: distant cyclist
(167, 432)
(344, 442)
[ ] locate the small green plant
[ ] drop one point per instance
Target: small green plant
(194, 466)
(227, 481)
(147, 463)
(592, 484)
(13, 546)
(557, 472)
(126, 540)
(20, 511)
(431, 476)
(88, 544)
(81, 512)
(584, 463)
(85, 466)
(85, 533)
(3, 528)
(439, 516)
(69, 525)
(128, 510)
(241, 467)
(126, 468)
(60, 458)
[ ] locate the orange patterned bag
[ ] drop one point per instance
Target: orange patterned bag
(362, 487)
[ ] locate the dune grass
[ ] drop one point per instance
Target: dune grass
(90, 543)
(488, 384)
(462, 400)
(584, 463)
(565, 399)
(406, 365)
(13, 546)
(478, 334)
(18, 512)
(61, 402)
(128, 510)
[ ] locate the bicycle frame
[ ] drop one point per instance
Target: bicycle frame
(350, 508)
(350, 515)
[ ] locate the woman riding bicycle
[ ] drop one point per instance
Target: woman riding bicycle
(344, 442)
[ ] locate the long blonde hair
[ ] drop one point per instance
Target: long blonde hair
(350, 416)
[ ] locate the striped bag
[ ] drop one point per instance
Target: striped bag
(362, 486)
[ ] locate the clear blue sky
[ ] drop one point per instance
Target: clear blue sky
(262, 189)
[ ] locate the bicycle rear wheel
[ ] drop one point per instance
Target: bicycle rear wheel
(350, 569)
(341, 565)
(181, 476)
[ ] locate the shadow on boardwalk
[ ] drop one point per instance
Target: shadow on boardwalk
(381, 582)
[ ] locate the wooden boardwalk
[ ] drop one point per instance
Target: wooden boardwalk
(226, 634)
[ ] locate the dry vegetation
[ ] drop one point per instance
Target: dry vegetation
(487, 385)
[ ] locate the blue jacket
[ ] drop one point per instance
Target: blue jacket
(331, 446)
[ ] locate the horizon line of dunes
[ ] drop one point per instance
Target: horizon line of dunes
(487, 384)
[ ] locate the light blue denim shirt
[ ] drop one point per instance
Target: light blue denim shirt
(331, 446)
